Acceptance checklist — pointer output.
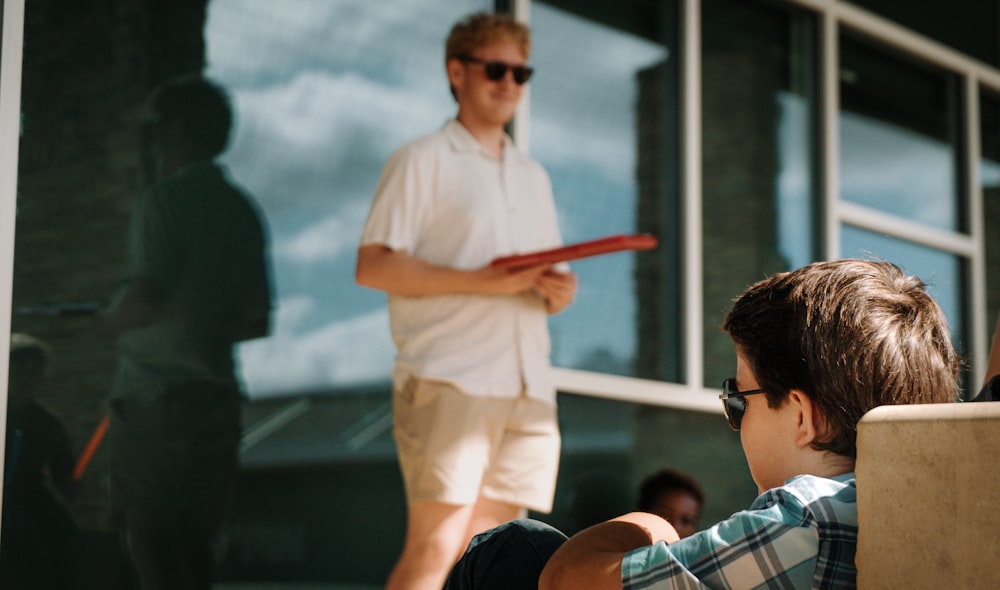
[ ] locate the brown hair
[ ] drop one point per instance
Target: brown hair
(667, 480)
(852, 335)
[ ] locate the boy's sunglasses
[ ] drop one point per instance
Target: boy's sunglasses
(496, 70)
(733, 403)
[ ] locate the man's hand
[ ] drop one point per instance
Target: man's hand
(557, 289)
(499, 281)
(135, 304)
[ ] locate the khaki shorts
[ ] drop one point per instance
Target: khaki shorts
(455, 447)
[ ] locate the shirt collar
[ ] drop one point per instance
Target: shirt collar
(462, 141)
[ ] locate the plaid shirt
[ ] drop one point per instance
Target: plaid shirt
(800, 535)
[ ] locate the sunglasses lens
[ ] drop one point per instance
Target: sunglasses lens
(495, 70)
(735, 408)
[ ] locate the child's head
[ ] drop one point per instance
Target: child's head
(675, 496)
(851, 335)
(28, 359)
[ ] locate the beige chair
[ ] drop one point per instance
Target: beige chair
(928, 481)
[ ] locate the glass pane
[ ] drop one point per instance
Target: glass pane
(989, 182)
(605, 172)
(945, 274)
(322, 93)
(322, 107)
(899, 137)
(319, 114)
(966, 25)
(758, 125)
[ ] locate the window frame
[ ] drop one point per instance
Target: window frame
(11, 41)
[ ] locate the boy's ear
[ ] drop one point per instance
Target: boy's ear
(811, 422)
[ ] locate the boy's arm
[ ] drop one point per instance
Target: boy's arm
(399, 273)
(593, 557)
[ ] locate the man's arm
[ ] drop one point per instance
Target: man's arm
(399, 273)
(134, 305)
(593, 557)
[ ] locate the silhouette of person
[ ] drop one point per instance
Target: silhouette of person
(38, 532)
(674, 496)
(197, 282)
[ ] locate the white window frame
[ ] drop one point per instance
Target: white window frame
(837, 16)
(12, 31)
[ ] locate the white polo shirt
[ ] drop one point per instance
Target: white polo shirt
(447, 200)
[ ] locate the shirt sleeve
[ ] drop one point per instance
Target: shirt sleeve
(400, 204)
(775, 546)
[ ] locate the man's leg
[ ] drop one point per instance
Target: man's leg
(488, 514)
(435, 533)
(170, 551)
(509, 557)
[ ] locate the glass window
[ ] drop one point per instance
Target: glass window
(758, 164)
(321, 106)
(322, 94)
(966, 25)
(899, 136)
(900, 153)
(604, 123)
(989, 182)
(325, 93)
(602, 116)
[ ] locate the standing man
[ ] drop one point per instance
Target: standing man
(197, 283)
(474, 407)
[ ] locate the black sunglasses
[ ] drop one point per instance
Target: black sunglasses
(496, 70)
(733, 403)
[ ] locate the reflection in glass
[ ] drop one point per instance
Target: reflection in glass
(898, 137)
(322, 105)
(989, 182)
(758, 173)
(587, 101)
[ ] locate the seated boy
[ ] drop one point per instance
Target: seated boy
(816, 348)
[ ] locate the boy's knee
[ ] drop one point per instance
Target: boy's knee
(511, 555)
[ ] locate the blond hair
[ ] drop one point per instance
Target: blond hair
(483, 28)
